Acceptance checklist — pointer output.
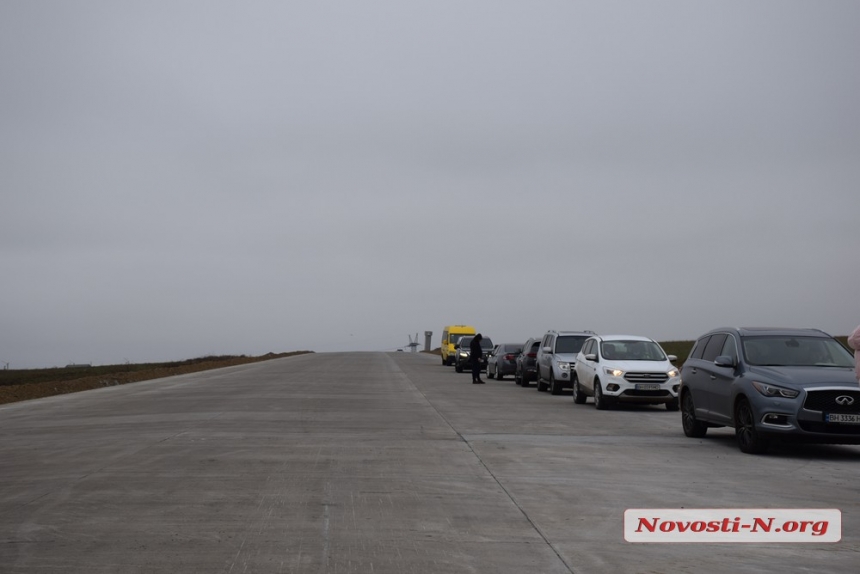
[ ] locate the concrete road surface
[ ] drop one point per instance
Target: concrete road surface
(383, 463)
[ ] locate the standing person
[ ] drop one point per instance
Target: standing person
(854, 343)
(475, 355)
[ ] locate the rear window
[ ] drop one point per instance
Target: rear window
(512, 349)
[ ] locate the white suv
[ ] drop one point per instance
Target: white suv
(555, 358)
(625, 368)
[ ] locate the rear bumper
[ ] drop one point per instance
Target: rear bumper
(507, 368)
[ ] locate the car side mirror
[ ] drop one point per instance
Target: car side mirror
(724, 361)
(547, 349)
(672, 358)
(457, 346)
(591, 357)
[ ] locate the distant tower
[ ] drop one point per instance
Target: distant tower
(427, 336)
(413, 343)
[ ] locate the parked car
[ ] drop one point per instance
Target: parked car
(503, 360)
(526, 364)
(450, 337)
(771, 384)
(463, 358)
(555, 356)
(625, 368)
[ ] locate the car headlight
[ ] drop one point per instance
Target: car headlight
(464, 354)
(563, 366)
(774, 391)
(613, 372)
(673, 373)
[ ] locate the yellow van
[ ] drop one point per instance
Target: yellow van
(450, 336)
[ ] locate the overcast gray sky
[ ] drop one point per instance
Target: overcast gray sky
(192, 177)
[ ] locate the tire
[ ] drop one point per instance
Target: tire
(672, 405)
(499, 375)
(578, 396)
(489, 374)
(517, 379)
(458, 367)
(601, 403)
(693, 428)
(541, 386)
(554, 385)
(749, 439)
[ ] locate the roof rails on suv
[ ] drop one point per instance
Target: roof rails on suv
(555, 357)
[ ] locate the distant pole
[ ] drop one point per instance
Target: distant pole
(428, 335)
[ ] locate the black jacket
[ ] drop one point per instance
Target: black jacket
(476, 353)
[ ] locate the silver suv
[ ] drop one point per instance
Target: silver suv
(555, 359)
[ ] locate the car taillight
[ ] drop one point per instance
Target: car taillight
(509, 357)
(532, 355)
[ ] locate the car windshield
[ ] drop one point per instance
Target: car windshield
(632, 351)
(787, 351)
(569, 344)
(454, 338)
(486, 344)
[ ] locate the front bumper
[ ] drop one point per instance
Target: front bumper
(783, 420)
(623, 390)
(466, 361)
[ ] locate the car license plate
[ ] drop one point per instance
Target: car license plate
(842, 418)
(647, 387)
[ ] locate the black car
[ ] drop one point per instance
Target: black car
(526, 363)
(771, 384)
(463, 360)
(502, 361)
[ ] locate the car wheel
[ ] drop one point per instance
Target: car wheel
(749, 439)
(490, 374)
(541, 386)
(499, 375)
(672, 405)
(578, 396)
(601, 403)
(693, 428)
(458, 367)
(554, 385)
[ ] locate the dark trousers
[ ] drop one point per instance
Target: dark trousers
(476, 370)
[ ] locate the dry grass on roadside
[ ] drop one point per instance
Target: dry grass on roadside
(22, 385)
